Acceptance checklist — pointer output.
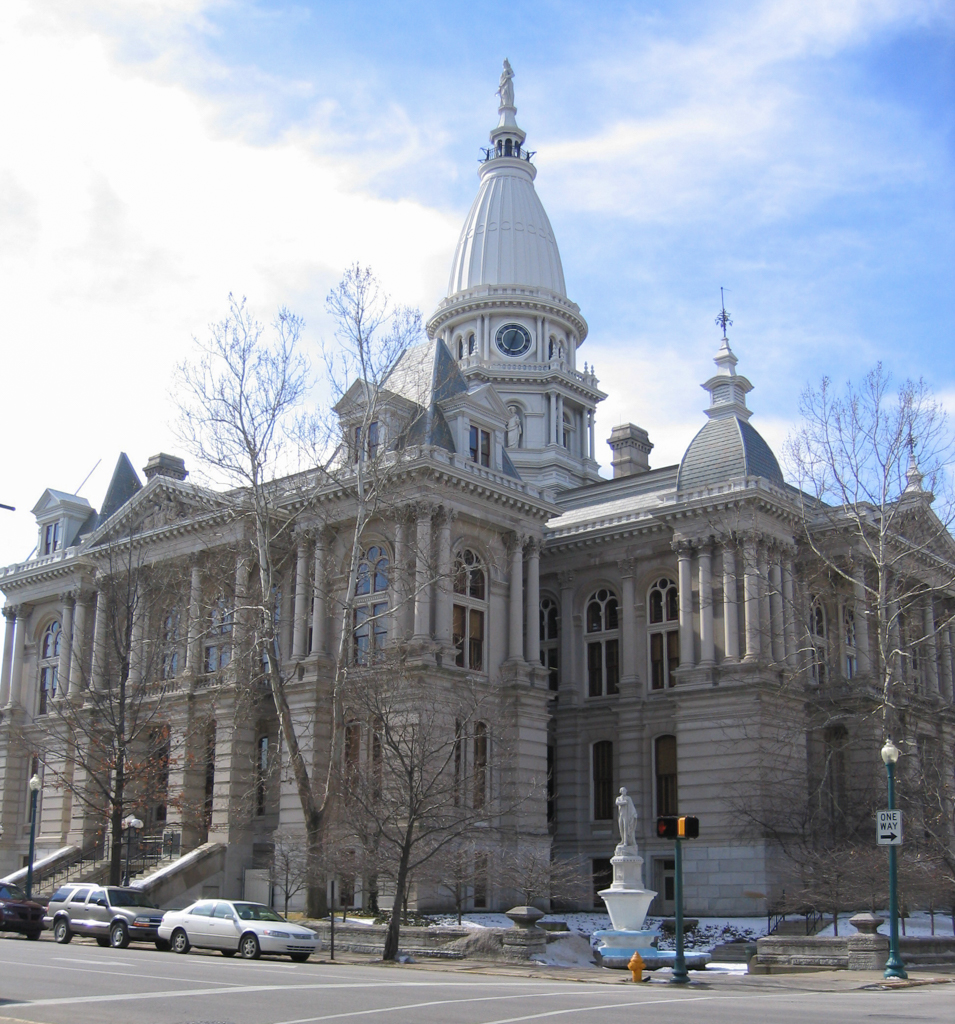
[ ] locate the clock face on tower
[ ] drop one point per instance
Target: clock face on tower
(513, 340)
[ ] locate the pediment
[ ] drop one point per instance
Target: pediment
(483, 401)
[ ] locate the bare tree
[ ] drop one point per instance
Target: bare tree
(241, 416)
(421, 775)
(288, 868)
(543, 880)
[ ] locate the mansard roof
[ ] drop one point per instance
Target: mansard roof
(726, 448)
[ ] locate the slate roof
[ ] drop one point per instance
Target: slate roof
(727, 447)
(425, 375)
(123, 485)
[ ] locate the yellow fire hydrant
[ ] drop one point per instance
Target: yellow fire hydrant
(636, 966)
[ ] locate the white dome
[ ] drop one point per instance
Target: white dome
(507, 238)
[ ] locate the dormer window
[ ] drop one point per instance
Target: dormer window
(365, 444)
(51, 538)
(480, 443)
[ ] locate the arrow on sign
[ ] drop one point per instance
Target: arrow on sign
(889, 835)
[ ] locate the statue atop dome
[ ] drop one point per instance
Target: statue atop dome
(505, 87)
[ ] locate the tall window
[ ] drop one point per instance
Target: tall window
(480, 446)
(169, 664)
(817, 643)
(51, 538)
(49, 665)
(480, 765)
(835, 740)
(550, 640)
(371, 606)
(602, 780)
(352, 753)
(663, 607)
(603, 645)
(849, 639)
(261, 774)
(567, 432)
(365, 442)
(480, 881)
(218, 648)
(470, 595)
(664, 766)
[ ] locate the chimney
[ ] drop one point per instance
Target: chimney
(631, 450)
(165, 465)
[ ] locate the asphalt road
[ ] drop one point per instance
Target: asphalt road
(84, 984)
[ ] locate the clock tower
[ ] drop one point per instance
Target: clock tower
(507, 319)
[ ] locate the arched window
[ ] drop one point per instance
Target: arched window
(470, 597)
(49, 665)
(508, 147)
(665, 772)
(460, 348)
(550, 640)
(602, 780)
(218, 648)
(849, 640)
(663, 615)
(818, 642)
(371, 606)
(472, 345)
(169, 662)
(603, 655)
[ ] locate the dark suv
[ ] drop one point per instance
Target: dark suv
(19, 914)
(111, 915)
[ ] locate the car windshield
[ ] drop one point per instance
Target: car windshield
(129, 898)
(9, 891)
(256, 912)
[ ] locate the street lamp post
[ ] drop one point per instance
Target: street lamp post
(35, 785)
(894, 968)
(129, 824)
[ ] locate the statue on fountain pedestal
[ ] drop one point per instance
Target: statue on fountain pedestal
(626, 819)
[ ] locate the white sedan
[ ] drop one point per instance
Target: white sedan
(249, 929)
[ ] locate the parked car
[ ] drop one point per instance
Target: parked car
(19, 914)
(112, 915)
(236, 927)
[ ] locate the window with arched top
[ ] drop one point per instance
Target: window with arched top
(370, 627)
(849, 641)
(472, 345)
(460, 344)
(663, 632)
(818, 642)
(49, 665)
(218, 646)
(550, 640)
(469, 610)
(603, 644)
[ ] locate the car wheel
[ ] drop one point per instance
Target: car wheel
(118, 936)
(300, 958)
(162, 945)
(249, 947)
(102, 940)
(61, 930)
(179, 943)
(228, 952)
(33, 936)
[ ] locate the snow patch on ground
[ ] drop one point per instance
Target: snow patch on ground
(572, 951)
(919, 923)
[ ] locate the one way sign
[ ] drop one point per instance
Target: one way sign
(889, 828)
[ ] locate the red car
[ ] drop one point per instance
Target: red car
(19, 914)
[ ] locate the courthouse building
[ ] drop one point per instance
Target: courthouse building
(661, 630)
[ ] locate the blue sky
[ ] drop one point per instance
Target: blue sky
(158, 154)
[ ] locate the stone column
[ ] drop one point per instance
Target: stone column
(136, 652)
(560, 420)
(751, 598)
(930, 646)
(894, 646)
(318, 595)
(98, 672)
(10, 625)
(422, 575)
(765, 613)
(194, 623)
(532, 647)
(789, 612)
(628, 620)
(240, 618)
(541, 346)
(590, 429)
(945, 684)
(515, 645)
(300, 619)
(66, 643)
(685, 582)
(861, 620)
(77, 658)
(565, 581)
(553, 417)
(705, 570)
(16, 671)
(442, 611)
(777, 637)
(398, 580)
(730, 608)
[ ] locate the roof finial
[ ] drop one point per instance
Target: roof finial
(723, 320)
(913, 476)
(505, 88)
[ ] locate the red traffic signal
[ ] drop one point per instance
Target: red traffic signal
(672, 827)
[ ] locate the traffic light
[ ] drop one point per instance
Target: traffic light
(671, 827)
